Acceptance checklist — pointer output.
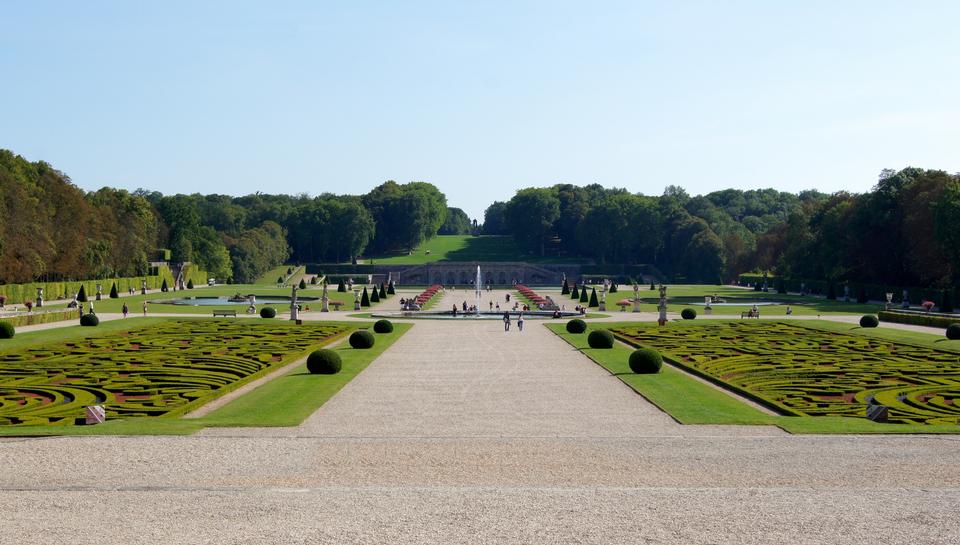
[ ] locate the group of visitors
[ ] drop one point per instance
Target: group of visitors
(506, 321)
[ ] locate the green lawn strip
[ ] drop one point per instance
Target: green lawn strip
(885, 332)
(464, 248)
(72, 332)
(690, 401)
(687, 400)
(168, 423)
(289, 399)
(270, 277)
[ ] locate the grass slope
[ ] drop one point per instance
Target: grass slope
(485, 248)
(690, 401)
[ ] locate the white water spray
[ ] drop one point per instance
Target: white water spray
(478, 288)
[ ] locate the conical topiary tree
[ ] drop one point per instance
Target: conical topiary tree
(341, 287)
(575, 294)
(565, 290)
(652, 287)
(365, 298)
(831, 292)
(383, 292)
(593, 298)
(946, 301)
(613, 288)
(113, 291)
(303, 284)
(390, 289)
(279, 280)
(82, 294)
(313, 280)
(583, 295)
(164, 287)
(190, 284)
(374, 295)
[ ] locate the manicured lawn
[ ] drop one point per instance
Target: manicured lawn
(284, 401)
(466, 248)
(690, 401)
(165, 369)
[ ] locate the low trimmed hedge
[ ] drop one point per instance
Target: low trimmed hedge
(268, 312)
(6, 330)
(89, 320)
(688, 314)
(383, 326)
(869, 320)
(916, 318)
(33, 318)
(576, 325)
(362, 339)
(324, 362)
(600, 338)
(645, 360)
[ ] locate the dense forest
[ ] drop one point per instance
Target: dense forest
(903, 232)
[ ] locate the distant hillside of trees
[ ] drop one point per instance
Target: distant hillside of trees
(903, 232)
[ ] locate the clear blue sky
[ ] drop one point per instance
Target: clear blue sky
(481, 98)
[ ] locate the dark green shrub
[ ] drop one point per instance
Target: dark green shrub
(869, 320)
(89, 320)
(341, 287)
(593, 298)
(190, 284)
(575, 294)
(279, 280)
(576, 325)
(645, 360)
(781, 287)
(953, 332)
(82, 294)
(362, 339)
(113, 291)
(365, 298)
(6, 330)
(383, 326)
(915, 318)
(324, 362)
(164, 287)
(600, 338)
(688, 314)
(374, 295)
(390, 289)
(652, 287)
(565, 290)
(583, 295)
(303, 284)
(268, 312)
(313, 280)
(383, 292)
(613, 288)
(289, 271)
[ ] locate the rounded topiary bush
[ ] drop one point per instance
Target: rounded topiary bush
(953, 332)
(869, 320)
(361, 339)
(688, 314)
(383, 326)
(576, 325)
(268, 312)
(89, 320)
(645, 360)
(6, 330)
(324, 362)
(600, 338)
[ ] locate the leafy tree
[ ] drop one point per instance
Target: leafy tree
(530, 215)
(495, 220)
(456, 222)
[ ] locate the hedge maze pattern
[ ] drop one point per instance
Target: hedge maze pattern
(805, 371)
(152, 371)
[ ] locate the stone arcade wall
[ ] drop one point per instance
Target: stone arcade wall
(498, 274)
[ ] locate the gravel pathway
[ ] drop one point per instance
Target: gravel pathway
(462, 433)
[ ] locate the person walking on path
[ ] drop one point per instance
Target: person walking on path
(520, 322)
(144, 308)
(125, 310)
(506, 321)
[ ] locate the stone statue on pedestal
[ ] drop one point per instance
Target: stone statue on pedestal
(603, 296)
(662, 306)
(636, 298)
(294, 307)
(99, 291)
(324, 300)
(39, 297)
(143, 287)
(906, 300)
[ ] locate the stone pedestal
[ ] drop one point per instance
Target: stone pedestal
(39, 297)
(143, 287)
(99, 291)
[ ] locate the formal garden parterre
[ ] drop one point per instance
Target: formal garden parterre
(162, 370)
(803, 371)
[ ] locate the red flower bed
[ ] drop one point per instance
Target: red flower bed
(531, 295)
(428, 294)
